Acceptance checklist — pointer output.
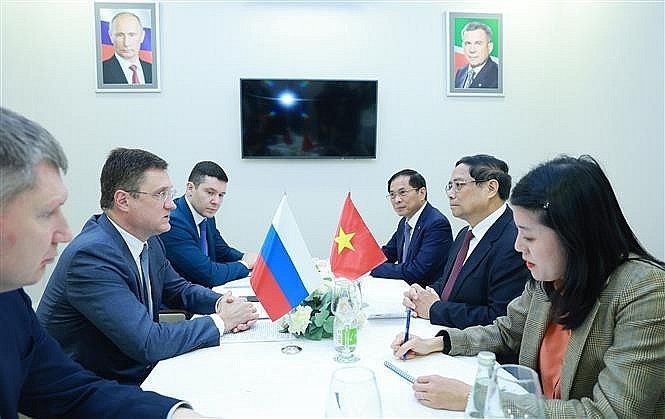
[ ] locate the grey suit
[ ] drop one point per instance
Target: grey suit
(615, 362)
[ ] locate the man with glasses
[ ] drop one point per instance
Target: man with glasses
(102, 301)
(36, 377)
(416, 252)
(483, 272)
(193, 244)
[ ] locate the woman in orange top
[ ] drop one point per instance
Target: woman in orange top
(592, 320)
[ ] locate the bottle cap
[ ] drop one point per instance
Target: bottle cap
(486, 357)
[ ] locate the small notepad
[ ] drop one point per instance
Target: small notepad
(405, 375)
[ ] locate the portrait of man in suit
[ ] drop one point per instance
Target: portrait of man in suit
(126, 47)
(474, 57)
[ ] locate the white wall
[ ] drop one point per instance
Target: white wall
(571, 78)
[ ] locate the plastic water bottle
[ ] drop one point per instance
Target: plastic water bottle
(475, 406)
(345, 333)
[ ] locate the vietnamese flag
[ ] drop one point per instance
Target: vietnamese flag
(354, 251)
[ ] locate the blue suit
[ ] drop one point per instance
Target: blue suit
(492, 276)
(38, 379)
(430, 240)
(186, 256)
(487, 78)
(91, 306)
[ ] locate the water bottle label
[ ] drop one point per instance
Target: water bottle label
(350, 336)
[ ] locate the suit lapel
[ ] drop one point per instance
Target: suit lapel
(480, 251)
(574, 353)
(534, 328)
(133, 284)
(118, 74)
(452, 255)
(400, 239)
(417, 229)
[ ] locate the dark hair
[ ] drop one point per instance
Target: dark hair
(206, 168)
(486, 167)
(573, 197)
(416, 180)
(23, 145)
(125, 169)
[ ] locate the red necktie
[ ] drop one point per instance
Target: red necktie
(459, 261)
(135, 75)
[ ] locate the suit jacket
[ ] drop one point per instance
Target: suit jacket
(430, 240)
(186, 256)
(91, 306)
(113, 74)
(487, 78)
(614, 365)
(38, 379)
(493, 274)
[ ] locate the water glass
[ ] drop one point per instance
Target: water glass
(514, 392)
(353, 393)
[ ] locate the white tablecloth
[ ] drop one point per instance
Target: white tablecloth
(258, 379)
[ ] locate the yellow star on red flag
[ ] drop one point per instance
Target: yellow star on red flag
(344, 240)
(365, 252)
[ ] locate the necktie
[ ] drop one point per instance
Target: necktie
(407, 240)
(203, 237)
(459, 261)
(470, 75)
(145, 284)
(135, 74)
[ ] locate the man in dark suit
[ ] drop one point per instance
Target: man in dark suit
(481, 71)
(193, 244)
(416, 252)
(125, 66)
(36, 376)
(484, 272)
(103, 298)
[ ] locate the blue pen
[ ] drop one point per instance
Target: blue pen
(408, 323)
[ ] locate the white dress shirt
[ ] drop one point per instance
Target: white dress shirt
(124, 64)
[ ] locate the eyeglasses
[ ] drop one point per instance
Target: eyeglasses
(401, 193)
(162, 196)
(459, 184)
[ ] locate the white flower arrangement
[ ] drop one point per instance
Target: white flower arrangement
(313, 318)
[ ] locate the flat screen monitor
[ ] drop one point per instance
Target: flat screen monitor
(308, 119)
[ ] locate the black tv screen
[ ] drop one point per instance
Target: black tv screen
(308, 118)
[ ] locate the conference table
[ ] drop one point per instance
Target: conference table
(250, 374)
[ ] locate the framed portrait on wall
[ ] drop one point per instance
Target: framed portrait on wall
(475, 54)
(127, 45)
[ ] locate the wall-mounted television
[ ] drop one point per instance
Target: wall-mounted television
(308, 119)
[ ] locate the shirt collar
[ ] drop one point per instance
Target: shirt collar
(481, 228)
(135, 245)
(476, 70)
(126, 63)
(414, 218)
(197, 217)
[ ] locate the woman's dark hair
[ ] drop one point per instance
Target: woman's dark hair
(573, 197)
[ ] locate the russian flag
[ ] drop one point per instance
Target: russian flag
(284, 273)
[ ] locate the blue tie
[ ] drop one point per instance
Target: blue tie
(145, 284)
(470, 75)
(407, 240)
(203, 238)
